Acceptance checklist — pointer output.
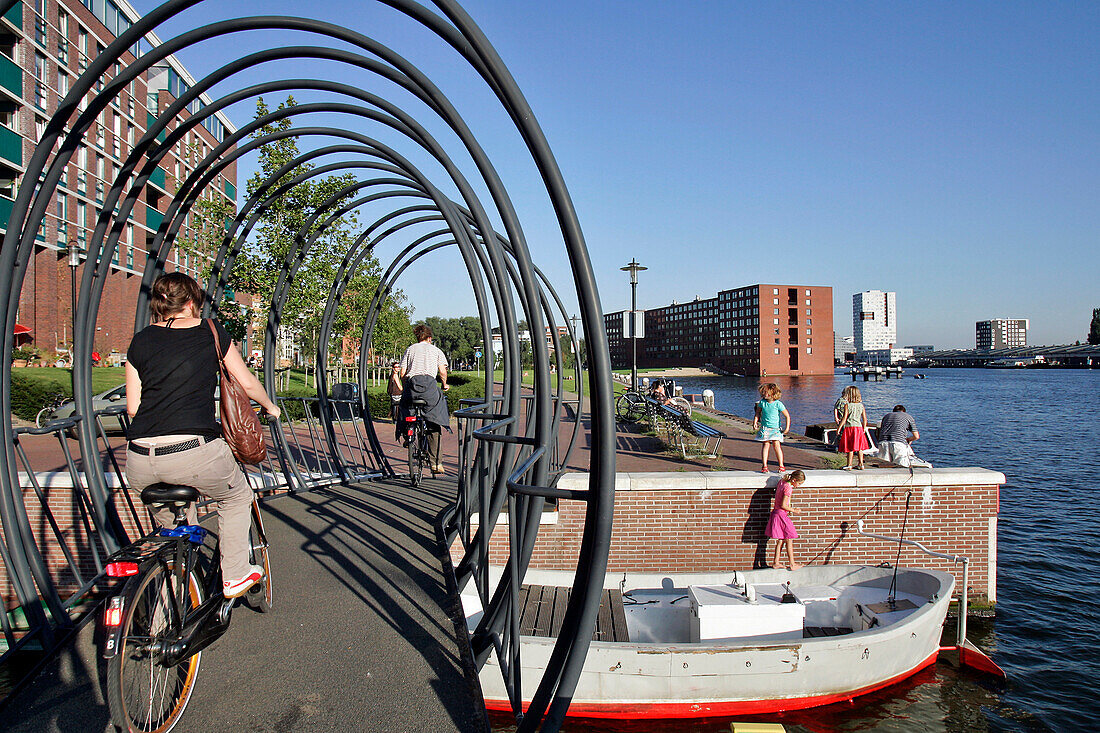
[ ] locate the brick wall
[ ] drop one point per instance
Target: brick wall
(66, 511)
(714, 522)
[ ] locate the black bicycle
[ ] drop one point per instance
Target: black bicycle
(630, 406)
(417, 440)
(168, 611)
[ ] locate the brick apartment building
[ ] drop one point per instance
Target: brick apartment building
(752, 330)
(44, 47)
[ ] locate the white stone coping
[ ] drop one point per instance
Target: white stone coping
(823, 478)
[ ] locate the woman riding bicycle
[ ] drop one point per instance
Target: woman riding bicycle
(171, 374)
(418, 369)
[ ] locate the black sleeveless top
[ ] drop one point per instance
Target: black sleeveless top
(179, 372)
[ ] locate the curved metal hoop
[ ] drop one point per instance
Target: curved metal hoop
(515, 458)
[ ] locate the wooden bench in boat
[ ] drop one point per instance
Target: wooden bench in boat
(813, 632)
(542, 610)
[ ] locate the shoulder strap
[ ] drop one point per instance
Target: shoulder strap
(217, 341)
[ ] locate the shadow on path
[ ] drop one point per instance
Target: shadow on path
(364, 636)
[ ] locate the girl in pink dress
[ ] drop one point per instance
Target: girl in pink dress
(780, 527)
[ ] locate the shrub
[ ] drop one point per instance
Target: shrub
(28, 396)
(28, 353)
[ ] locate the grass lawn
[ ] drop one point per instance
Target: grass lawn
(529, 380)
(103, 378)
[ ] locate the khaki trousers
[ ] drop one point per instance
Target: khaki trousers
(212, 469)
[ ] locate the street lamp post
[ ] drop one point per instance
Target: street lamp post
(576, 340)
(633, 268)
(73, 252)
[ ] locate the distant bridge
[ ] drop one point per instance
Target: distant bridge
(1070, 355)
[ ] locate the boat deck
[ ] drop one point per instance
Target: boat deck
(543, 610)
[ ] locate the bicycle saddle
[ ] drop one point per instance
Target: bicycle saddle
(419, 402)
(169, 494)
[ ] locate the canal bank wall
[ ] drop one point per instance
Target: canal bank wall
(714, 521)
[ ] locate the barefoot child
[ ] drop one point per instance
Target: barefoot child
(853, 429)
(766, 424)
(780, 527)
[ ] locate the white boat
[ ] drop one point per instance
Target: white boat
(761, 641)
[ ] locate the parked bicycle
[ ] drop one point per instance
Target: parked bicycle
(44, 415)
(416, 436)
(630, 406)
(168, 611)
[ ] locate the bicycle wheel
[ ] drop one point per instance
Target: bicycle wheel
(681, 404)
(259, 596)
(416, 450)
(629, 406)
(142, 693)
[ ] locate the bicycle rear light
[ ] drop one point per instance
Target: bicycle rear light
(113, 617)
(121, 569)
(410, 418)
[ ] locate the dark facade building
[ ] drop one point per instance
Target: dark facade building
(753, 330)
(1001, 333)
(45, 45)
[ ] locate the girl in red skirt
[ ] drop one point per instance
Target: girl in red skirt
(853, 429)
(780, 527)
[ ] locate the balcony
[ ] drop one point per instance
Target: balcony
(11, 78)
(153, 218)
(5, 211)
(15, 16)
(158, 178)
(11, 146)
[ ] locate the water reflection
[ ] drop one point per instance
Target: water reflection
(1025, 423)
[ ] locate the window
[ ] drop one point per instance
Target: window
(62, 85)
(40, 70)
(99, 80)
(99, 179)
(63, 38)
(82, 173)
(809, 350)
(775, 291)
(777, 350)
(62, 216)
(116, 144)
(775, 301)
(39, 127)
(40, 22)
(807, 301)
(83, 39)
(130, 246)
(81, 221)
(809, 332)
(807, 293)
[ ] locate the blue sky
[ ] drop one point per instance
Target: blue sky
(946, 151)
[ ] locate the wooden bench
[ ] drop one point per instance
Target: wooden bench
(542, 610)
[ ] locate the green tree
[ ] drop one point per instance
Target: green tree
(261, 259)
(201, 238)
(1094, 329)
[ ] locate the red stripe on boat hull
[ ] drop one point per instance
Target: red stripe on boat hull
(716, 709)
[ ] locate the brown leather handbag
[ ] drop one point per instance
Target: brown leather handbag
(240, 423)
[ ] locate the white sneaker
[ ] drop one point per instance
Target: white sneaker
(240, 586)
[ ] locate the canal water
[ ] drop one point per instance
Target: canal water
(1039, 428)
